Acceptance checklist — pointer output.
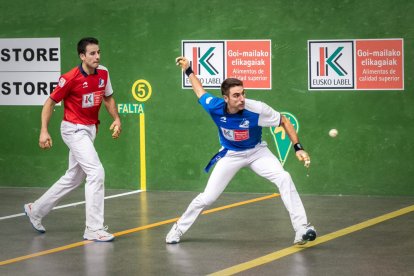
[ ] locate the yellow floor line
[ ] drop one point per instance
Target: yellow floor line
(294, 249)
(137, 229)
(240, 203)
(204, 213)
(41, 253)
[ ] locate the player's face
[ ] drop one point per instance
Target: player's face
(236, 99)
(91, 57)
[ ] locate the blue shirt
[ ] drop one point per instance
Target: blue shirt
(242, 130)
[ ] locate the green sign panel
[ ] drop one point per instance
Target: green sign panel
(282, 141)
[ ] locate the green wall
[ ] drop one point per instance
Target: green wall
(373, 153)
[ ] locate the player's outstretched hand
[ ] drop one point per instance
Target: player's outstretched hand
(303, 156)
(116, 129)
(183, 62)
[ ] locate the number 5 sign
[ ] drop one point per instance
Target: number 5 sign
(141, 90)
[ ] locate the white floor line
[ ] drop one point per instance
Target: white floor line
(73, 204)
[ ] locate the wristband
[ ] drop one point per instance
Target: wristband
(189, 71)
(298, 147)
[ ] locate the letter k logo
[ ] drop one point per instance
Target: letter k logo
(204, 61)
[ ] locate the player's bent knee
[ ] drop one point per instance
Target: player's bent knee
(98, 174)
(285, 176)
(280, 177)
(282, 180)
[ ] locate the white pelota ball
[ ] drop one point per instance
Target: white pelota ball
(333, 132)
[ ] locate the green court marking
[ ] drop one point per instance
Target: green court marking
(282, 141)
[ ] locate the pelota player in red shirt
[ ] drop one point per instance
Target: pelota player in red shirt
(82, 90)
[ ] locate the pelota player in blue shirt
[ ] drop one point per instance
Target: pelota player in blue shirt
(239, 122)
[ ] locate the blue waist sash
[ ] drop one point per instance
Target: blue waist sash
(215, 159)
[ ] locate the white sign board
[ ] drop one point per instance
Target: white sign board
(29, 70)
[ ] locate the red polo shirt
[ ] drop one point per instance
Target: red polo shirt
(82, 94)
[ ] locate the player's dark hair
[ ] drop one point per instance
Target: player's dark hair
(229, 83)
(85, 42)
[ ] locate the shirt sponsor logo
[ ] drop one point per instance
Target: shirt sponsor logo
(62, 82)
(245, 123)
(101, 83)
(235, 135)
(87, 100)
(92, 99)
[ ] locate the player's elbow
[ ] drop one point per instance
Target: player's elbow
(284, 121)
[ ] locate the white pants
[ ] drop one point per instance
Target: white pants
(262, 161)
(84, 164)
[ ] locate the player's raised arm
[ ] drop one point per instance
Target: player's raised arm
(184, 63)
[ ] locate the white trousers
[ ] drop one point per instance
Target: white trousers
(84, 164)
(262, 161)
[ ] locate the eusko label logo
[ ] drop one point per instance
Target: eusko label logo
(207, 61)
(202, 60)
(331, 65)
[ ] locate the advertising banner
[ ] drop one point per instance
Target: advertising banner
(359, 64)
(214, 61)
(29, 70)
